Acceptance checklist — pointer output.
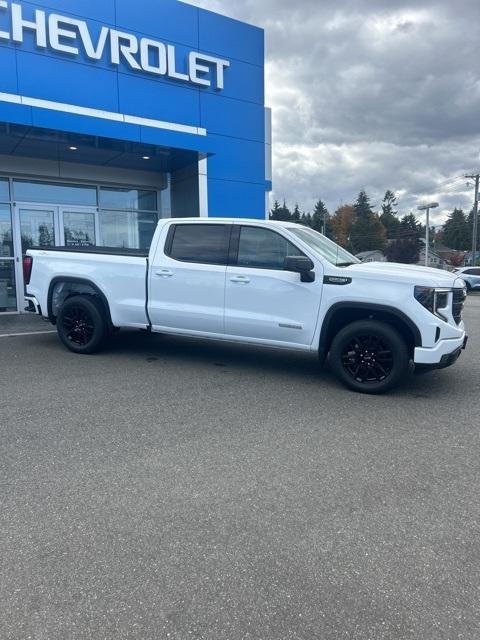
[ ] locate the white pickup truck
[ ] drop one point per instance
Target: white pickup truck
(264, 283)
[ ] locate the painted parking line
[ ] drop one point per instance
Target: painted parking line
(30, 333)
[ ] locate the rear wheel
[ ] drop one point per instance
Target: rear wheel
(369, 356)
(81, 324)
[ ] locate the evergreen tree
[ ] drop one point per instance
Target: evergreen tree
(306, 219)
(296, 215)
(389, 214)
(457, 233)
(275, 212)
(367, 233)
(410, 227)
(281, 213)
(363, 208)
(285, 213)
(320, 217)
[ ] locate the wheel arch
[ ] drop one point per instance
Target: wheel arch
(343, 313)
(74, 286)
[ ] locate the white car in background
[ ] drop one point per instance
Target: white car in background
(471, 276)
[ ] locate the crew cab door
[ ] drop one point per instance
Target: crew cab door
(263, 302)
(187, 279)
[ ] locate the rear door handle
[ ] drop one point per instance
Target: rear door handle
(164, 273)
(240, 279)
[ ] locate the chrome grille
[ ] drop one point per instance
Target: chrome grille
(459, 296)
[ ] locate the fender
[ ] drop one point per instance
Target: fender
(75, 280)
(368, 307)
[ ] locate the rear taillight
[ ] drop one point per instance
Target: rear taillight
(27, 268)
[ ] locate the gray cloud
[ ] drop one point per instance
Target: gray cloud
(370, 93)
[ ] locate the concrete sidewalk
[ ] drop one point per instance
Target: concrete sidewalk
(23, 323)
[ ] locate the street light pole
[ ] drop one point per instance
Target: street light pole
(427, 207)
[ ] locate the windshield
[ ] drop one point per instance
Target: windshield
(325, 247)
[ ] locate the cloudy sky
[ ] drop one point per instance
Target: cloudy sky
(370, 94)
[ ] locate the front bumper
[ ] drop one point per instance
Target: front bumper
(442, 355)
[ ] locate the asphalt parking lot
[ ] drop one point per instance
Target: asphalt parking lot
(169, 488)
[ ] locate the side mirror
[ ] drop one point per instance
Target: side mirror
(302, 265)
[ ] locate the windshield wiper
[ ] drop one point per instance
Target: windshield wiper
(345, 264)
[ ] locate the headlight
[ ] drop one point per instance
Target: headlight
(437, 301)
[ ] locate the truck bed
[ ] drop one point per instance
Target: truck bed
(108, 251)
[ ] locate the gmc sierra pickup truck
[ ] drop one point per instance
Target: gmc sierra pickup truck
(263, 283)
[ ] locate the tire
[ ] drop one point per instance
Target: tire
(369, 356)
(81, 324)
(469, 287)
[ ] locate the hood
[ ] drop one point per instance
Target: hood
(413, 274)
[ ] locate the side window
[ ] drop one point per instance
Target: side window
(200, 243)
(476, 272)
(264, 249)
(470, 272)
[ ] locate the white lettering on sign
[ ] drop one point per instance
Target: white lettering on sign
(72, 36)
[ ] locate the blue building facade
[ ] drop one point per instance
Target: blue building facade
(115, 113)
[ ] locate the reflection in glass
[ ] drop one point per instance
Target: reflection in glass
(37, 229)
(6, 240)
(52, 193)
(4, 190)
(128, 199)
(127, 229)
(8, 294)
(79, 228)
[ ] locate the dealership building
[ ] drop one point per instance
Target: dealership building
(114, 114)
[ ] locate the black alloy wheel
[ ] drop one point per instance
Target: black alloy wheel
(369, 356)
(81, 324)
(78, 326)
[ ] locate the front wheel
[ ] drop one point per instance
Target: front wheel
(369, 356)
(81, 324)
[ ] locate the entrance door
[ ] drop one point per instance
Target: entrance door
(8, 279)
(37, 228)
(44, 226)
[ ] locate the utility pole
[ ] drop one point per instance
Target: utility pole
(427, 207)
(475, 177)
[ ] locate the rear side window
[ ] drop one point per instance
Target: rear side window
(264, 249)
(201, 243)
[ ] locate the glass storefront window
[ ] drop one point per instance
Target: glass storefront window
(6, 240)
(53, 193)
(37, 228)
(4, 190)
(136, 199)
(127, 229)
(8, 293)
(79, 228)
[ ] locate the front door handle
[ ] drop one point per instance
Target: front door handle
(240, 279)
(164, 273)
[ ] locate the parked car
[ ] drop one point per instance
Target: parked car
(471, 275)
(274, 284)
